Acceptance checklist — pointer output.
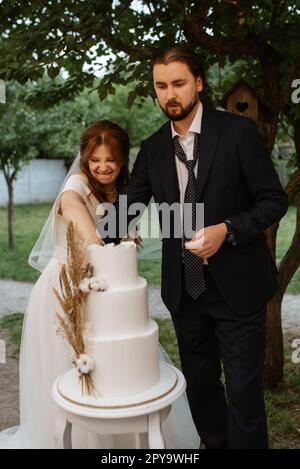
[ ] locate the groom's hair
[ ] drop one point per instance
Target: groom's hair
(180, 53)
(185, 54)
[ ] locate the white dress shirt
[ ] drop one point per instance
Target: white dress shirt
(187, 143)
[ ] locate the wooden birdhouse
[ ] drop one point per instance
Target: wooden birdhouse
(244, 100)
(2, 92)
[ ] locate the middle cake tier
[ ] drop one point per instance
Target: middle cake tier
(118, 313)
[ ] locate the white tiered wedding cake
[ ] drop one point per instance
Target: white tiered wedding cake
(124, 341)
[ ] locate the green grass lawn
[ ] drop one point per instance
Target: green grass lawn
(29, 220)
(282, 406)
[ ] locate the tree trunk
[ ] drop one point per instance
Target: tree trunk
(10, 213)
(274, 358)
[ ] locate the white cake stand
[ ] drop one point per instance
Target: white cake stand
(141, 414)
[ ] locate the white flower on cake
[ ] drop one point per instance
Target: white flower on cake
(92, 283)
(97, 284)
(84, 285)
(84, 364)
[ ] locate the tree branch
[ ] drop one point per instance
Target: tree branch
(293, 186)
(291, 260)
(194, 30)
(279, 6)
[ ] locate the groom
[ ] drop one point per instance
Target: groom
(217, 289)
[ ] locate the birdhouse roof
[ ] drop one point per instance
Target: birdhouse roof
(239, 84)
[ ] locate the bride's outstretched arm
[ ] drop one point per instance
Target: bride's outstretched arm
(72, 208)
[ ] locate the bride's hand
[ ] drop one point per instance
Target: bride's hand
(100, 240)
(74, 209)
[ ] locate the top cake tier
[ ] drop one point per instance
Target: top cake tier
(116, 264)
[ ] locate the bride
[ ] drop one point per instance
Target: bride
(98, 174)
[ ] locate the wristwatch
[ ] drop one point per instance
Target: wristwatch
(230, 236)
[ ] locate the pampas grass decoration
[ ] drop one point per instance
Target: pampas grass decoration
(72, 299)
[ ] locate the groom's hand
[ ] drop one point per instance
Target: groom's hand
(207, 241)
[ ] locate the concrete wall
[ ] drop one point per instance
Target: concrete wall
(38, 182)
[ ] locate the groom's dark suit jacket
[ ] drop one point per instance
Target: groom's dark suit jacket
(236, 180)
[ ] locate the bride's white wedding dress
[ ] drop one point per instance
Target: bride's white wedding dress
(45, 355)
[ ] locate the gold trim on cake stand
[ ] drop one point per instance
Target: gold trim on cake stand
(69, 387)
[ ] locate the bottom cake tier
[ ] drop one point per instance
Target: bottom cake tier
(126, 366)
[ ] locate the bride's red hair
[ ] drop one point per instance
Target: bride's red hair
(105, 132)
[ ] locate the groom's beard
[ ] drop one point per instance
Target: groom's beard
(185, 111)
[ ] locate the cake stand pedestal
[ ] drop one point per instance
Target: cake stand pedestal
(115, 417)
